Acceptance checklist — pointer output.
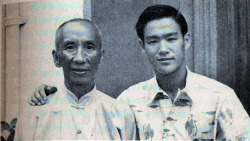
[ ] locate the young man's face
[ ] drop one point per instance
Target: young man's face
(79, 53)
(165, 45)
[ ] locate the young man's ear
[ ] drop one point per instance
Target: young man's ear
(141, 43)
(56, 59)
(187, 40)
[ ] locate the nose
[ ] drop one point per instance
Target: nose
(80, 56)
(164, 47)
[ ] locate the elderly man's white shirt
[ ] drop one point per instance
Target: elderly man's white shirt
(93, 116)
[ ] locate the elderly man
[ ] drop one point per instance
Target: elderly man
(78, 111)
(178, 104)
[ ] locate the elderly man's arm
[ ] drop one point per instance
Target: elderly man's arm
(26, 125)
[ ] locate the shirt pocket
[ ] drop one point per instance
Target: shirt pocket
(149, 123)
(205, 124)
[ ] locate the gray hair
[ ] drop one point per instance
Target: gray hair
(59, 29)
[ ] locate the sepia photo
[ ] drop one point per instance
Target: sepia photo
(125, 69)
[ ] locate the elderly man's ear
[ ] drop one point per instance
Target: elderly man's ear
(187, 40)
(56, 59)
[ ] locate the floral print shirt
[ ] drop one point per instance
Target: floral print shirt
(204, 109)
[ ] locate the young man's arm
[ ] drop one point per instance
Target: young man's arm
(232, 117)
(126, 123)
(40, 94)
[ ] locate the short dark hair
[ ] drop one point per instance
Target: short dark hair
(158, 12)
(59, 29)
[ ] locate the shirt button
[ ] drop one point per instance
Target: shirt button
(79, 131)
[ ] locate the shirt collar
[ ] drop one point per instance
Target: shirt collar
(183, 96)
(84, 100)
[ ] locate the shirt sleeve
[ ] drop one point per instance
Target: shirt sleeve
(233, 120)
(125, 121)
(123, 98)
(26, 124)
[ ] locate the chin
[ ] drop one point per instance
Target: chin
(167, 70)
(81, 81)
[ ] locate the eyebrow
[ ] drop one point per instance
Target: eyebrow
(165, 35)
(90, 42)
(68, 42)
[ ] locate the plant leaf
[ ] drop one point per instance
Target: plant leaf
(5, 125)
(13, 123)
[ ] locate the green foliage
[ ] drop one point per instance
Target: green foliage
(11, 128)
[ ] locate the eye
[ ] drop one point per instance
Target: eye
(90, 46)
(152, 42)
(70, 47)
(171, 39)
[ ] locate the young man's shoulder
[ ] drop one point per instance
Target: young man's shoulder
(195, 80)
(138, 90)
(204, 82)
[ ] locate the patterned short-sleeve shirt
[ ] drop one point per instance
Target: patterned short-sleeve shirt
(204, 109)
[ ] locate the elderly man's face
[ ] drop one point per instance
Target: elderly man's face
(165, 45)
(79, 53)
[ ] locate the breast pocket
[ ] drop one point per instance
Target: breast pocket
(48, 126)
(205, 123)
(149, 123)
(142, 122)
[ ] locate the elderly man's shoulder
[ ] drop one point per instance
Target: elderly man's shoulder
(103, 99)
(110, 105)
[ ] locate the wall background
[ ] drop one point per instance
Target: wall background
(220, 47)
(234, 47)
(29, 40)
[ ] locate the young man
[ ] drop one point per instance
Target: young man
(78, 111)
(178, 104)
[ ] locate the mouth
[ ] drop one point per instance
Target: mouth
(165, 60)
(80, 71)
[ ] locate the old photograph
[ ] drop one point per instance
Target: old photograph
(125, 70)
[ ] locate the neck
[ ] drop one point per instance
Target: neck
(170, 83)
(80, 90)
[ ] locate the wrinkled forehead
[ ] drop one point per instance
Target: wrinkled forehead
(79, 27)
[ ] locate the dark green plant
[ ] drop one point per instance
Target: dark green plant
(11, 128)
